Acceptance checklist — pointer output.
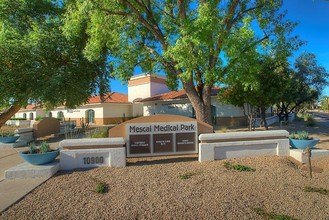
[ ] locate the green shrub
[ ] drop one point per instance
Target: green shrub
(44, 147)
(7, 133)
(310, 121)
(272, 215)
(303, 135)
(33, 148)
(300, 135)
(18, 119)
(185, 176)
(38, 118)
(320, 190)
(97, 133)
(238, 167)
(101, 187)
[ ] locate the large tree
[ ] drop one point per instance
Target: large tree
(261, 89)
(37, 62)
(193, 42)
(303, 84)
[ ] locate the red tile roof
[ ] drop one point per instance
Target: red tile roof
(181, 94)
(32, 106)
(111, 97)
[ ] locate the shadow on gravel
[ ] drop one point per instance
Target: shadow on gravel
(153, 161)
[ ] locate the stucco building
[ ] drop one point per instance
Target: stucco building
(147, 95)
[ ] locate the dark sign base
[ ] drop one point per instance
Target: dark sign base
(140, 150)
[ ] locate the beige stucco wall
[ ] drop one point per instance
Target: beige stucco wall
(226, 110)
(139, 91)
(35, 112)
(111, 110)
(177, 107)
(184, 108)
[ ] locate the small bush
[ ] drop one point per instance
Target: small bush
(320, 190)
(98, 133)
(300, 135)
(238, 167)
(7, 133)
(101, 187)
(272, 215)
(185, 176)
(39, 118)
(44, 147)
(310, 121)
(18, 119)
(33, 148)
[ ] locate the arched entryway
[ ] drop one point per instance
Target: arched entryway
(24, 115)
(90, 116)
(31, 116)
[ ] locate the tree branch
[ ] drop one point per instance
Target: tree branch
(155, 31)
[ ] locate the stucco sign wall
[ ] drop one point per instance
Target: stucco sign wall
(152, 139)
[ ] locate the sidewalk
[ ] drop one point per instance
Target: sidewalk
(13, 190)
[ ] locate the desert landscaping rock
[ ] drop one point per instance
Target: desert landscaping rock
(153, 190)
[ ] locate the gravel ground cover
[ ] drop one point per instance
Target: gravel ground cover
(155, 189)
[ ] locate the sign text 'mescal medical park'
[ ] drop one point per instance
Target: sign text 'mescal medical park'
(161, 138)
(162, 128)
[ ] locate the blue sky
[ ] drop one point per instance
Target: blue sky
(313, 27)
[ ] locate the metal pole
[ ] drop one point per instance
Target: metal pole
(308, 153)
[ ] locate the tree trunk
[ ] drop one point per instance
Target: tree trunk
(8, 113)
(263, 117)
(201, 101)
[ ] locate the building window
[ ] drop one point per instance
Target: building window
(60, 115)
(90, 116)
(31, 116)
(49, 114)
(24, 115)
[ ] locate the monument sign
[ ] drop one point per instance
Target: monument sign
(153, 139)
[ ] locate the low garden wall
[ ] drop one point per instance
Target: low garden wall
(270, 120)
(25, 134)
(92, 152)
(243, 144)
(22, 123)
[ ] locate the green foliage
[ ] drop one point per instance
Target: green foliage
(38, 118)
(33, 148)
(38, 63)
(196, 44)
(300, 135)
(238, 167)
(18, 119)
(7, 133)
(97, 133)
(324, 103)
(255, 85)
(101, 187)
(272, 215)
(185, 176)
(303, 84)
(44, 147)
(320, 190)
(310, 121)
